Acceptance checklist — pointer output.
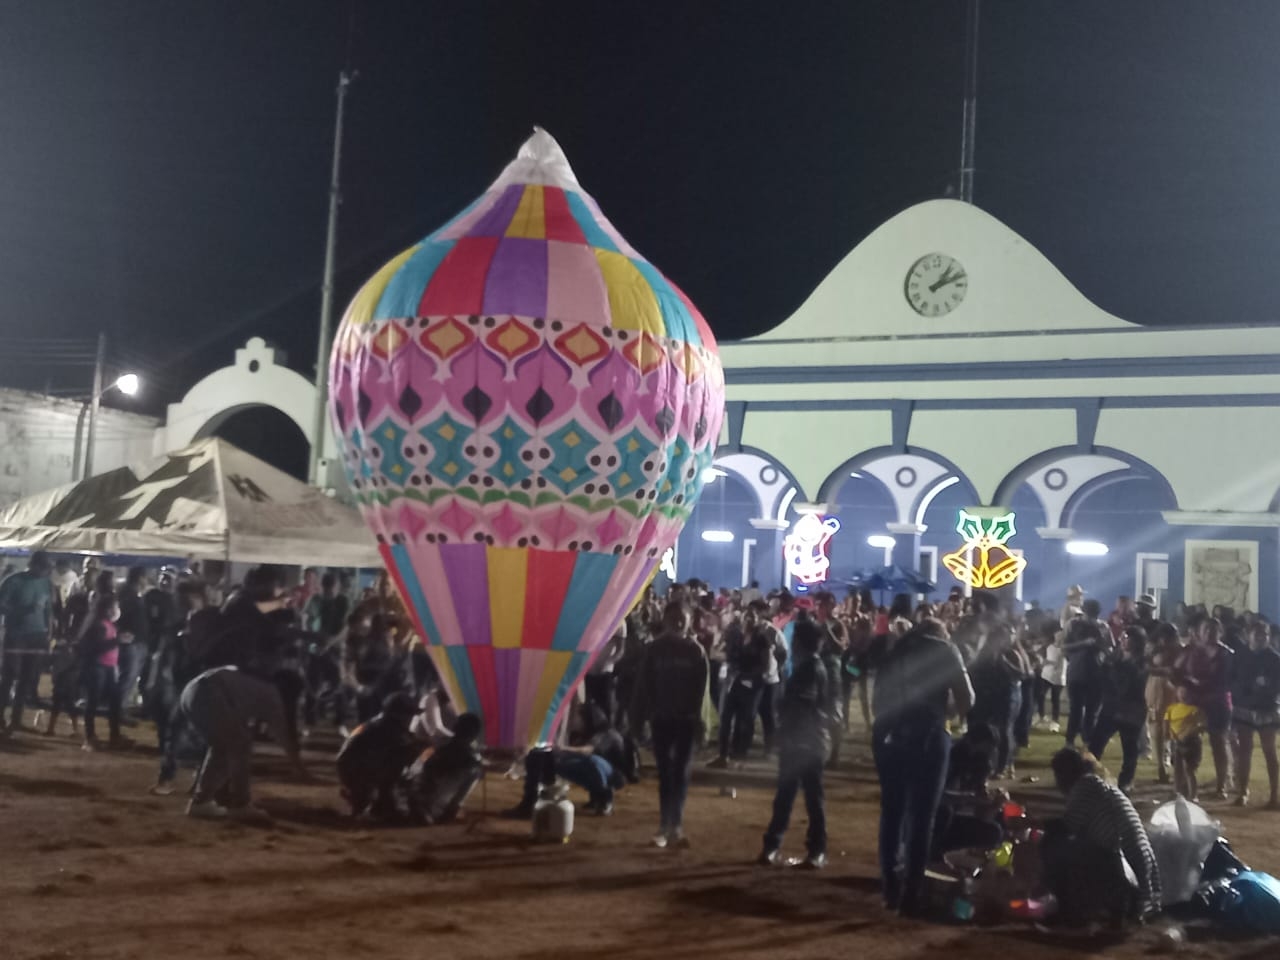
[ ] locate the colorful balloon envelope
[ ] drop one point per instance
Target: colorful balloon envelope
(526, 407)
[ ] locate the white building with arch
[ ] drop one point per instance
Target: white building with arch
(945, 364)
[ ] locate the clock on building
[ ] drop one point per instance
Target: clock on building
(935, 285)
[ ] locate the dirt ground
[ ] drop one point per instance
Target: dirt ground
(95, 868)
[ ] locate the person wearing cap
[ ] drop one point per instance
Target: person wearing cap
(1071, 609)
(1146, 616)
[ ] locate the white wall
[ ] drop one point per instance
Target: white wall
(37, 437)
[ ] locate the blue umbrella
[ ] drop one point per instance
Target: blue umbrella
(892, 578)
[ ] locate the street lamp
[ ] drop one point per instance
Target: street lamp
(126, 383)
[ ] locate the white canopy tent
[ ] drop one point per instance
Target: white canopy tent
(208, 501)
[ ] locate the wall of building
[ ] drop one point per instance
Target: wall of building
(37, 442)
(1027, 396)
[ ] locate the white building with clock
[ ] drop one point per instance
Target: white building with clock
(945, 364)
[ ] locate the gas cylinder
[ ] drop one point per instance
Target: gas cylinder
(553, 814)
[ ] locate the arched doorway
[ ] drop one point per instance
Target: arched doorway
(268, 434)
(718, 543)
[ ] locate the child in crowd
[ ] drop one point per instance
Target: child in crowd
(65, 670)
(1184, 724)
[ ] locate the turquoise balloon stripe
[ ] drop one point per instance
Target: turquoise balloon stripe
(404, 291)
(409, 577)
(570, 674)
(460, 660)
(596, 237)
(675, 315)
(589, 582)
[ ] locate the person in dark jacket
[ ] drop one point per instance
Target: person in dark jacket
(805, 733)
(832, 649)
(372, 761)
(1124, 703)
(748, 649)
(134, 628)
(997, 671)
(1088, 642)
(911, 746)
(670, 686)
(179, 660)
(1255, 709)
(448, 774)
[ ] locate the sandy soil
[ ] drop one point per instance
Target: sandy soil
(95, 868)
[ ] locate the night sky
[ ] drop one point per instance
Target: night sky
(164, 165)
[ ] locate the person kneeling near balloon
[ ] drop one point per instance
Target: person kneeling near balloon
(601, 763)
(373, 760)
(441, 780)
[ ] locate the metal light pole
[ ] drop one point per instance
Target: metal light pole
(968, 133)
(127, 383)
(321, 422)
(94, 402)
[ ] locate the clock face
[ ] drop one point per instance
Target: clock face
(936, 285)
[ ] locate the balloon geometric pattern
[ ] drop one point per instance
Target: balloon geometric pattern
(526, 407)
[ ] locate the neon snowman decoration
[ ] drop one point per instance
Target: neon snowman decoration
(805, 548)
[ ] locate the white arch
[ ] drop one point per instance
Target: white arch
(257, 378)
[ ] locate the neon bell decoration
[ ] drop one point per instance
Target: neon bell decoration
(988, 537)
(805, 547)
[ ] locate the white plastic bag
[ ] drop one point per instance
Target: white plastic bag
(1182, 835)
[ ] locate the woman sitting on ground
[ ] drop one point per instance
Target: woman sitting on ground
(1098, 860)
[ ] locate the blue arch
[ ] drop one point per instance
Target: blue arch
(1021, 473)
(730, 449)
(837, 476)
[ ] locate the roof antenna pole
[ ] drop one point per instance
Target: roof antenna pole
(968, 133)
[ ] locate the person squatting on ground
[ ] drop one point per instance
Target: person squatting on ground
(808, 703)
(372, 761)
(670, 686)
(602, 762)
(1098, 859)
(911, 744)
(441, 781)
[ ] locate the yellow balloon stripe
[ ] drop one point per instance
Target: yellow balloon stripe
(529, 220)
(508, 568)
(440, 657)
(632, 305)
(366, 301)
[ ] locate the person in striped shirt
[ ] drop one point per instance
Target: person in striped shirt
(1098, 858)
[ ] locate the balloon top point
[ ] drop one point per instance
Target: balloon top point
(540, 160)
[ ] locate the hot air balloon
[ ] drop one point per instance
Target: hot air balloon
(526, 407)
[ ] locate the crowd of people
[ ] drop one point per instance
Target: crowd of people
(212, 666)
(948, 694)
